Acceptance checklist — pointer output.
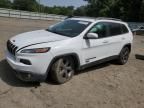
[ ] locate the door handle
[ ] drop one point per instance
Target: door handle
(105, 42)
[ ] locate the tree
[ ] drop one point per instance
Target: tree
(5, 4)
(59, 10)
(128, 10)
(27, 5)
(132, 9)
(80, 11)
(142, 12)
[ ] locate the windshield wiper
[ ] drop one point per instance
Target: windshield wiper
(55, 32)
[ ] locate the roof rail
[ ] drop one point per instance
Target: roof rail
(84, 17)
(81, 17)
(106, 18)
(96, 18)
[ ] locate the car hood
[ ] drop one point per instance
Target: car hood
(36, 37)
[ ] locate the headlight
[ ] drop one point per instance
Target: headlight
(36, 50)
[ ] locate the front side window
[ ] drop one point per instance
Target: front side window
(100, 29)
(69, 28)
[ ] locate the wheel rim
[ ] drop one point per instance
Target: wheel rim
(125, 55)
(65, 69)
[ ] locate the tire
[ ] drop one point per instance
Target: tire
(62, 70)
(124, 55)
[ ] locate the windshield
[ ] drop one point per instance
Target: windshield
(69, 28)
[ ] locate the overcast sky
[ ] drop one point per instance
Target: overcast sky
(75, 3)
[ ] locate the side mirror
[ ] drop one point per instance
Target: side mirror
(91, 36)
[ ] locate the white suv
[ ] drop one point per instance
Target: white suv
(71, 45)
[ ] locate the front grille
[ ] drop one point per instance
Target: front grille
(11, 47)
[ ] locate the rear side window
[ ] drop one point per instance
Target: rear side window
(114, 29)
(117, 29)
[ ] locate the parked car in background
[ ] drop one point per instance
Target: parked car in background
(140, 28)
(138, 31)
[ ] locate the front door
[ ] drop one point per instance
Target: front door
(103, 47)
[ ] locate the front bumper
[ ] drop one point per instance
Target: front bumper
(37, 71)
(29, 76)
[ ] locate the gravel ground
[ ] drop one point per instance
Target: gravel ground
(104, 86)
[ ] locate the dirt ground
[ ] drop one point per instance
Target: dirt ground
(104, 86)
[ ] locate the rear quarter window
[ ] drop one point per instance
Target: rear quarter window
(124, 29)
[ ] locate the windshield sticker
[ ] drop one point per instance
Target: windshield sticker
(83, 22)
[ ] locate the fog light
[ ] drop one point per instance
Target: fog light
(26, 62)
(26, 76)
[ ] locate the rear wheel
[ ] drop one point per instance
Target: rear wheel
(124, 55)
(62, 70)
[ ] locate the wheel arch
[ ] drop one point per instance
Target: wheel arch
(74, 56)
(119, 60)
(128, 45)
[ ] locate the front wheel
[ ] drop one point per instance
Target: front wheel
(124, 55)
(62, 70)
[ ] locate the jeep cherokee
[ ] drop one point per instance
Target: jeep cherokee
(73, 44)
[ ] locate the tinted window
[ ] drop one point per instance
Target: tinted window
(114, 29)
(117, 29)
(107, 29)
(124, 29)
(100, 29)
